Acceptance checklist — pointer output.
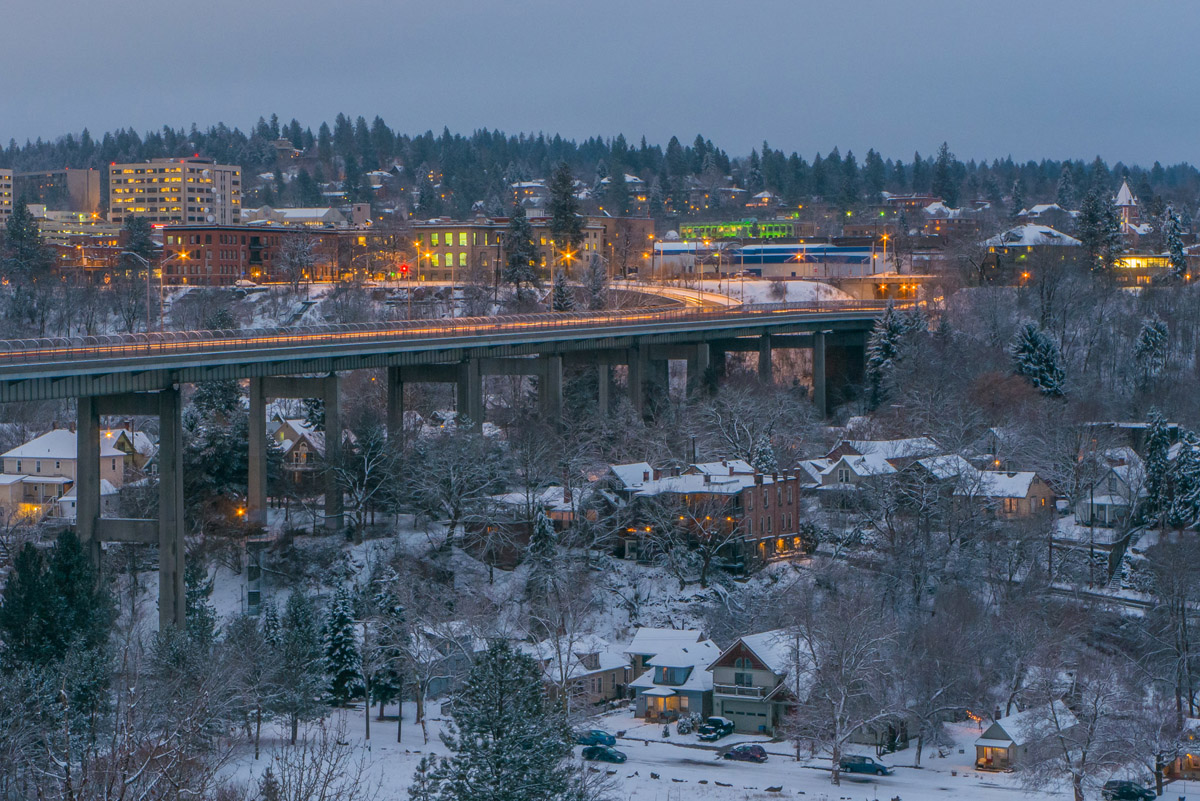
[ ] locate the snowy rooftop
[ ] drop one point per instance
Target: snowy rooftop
(647, 641)
(891, 448)
(947, 466)
(1021, 727)
(1125, 196)
(775, 649)
(57, 444)
(1030, 235)
(996, 484)
(697, 655)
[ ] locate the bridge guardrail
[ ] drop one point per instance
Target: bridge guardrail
(60, 349)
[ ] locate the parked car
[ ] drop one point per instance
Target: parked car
(603, 753)
(715, 728)
(863, 764)
(594, 737)
(746, 752)
(1118, 790)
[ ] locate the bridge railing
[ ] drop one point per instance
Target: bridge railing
(59, 349)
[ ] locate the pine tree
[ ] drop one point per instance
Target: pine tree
(342, 662)
(314, 412)
(201, 617)
(850, 181)
(1150, 350)
(1183, 509)
(1158, 466)
(424, 786)
(616, 195)
(268, 786)
(272, 627)
(885, 348)
(506, 741)
(543, 563)
(139, 238)
(520, 265)
(25, 617)
(945, 185)
(1018, 198)
(1099, 231)
(1172, 234)
(300, 675)
(595, 283)
(565, 225)
(1036, 357)
(562, 299)
(1066, 196)
(762, 457)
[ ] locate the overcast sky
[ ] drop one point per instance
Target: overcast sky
(1052, 78)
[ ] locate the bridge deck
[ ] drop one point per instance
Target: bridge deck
(38, 369)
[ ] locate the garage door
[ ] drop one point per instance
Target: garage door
(746, 717)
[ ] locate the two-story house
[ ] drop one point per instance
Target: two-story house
(677, 682)
(648, 641)
(588, 668)
(302, 446)
(38, 473)
(751, 684)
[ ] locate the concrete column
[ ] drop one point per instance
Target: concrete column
(395, 407)
(697, 366)
(333, 454)
(550, 388)
(256, 480)
(820, 383)
(765, 374)
(717, 360)
(636, 380)
(470, 392)
(87, 476)
(171, 603)
(603, 376)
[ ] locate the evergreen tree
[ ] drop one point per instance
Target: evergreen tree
(506, 742)
(200, 615)
(342, 662)
(520, 265)
(1066, 196)
(314, 412)
(1183, 509)
(1158, 466)
(886, 346)
(1172, 235)
(850, 181)
(1099, 231)
(300, 675)
(565, 225)
(25, 616)
(268, 786)
(945, 185)
(562, 298)
(1018, 198)
(424, 785)
(595, 283)
(138, 238)
(754, 176)
(1150, 350)
(762, 457)
(874, 174)
(1036, 357)
(616, 195)
(272, 627)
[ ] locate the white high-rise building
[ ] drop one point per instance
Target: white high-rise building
(176, 191)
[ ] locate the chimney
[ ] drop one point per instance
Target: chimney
(657, 474)
(566, 494)
(758, 478)
(128, 425)
(71, 427)
(645, 476)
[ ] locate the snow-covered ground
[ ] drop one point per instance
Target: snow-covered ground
(757, 290)
(681, 767)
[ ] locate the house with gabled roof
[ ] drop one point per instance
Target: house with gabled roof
(755, 680)
(1005, 743)
(677, 682)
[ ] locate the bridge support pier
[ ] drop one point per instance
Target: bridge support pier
(261, 389)
(470, 392)
(550, 387)
(636, 379)
(167, 530)
(820, 391)
(395, 408)
(765, 373)
(697, 367)
(603, 376)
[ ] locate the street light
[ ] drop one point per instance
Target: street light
(149, 275)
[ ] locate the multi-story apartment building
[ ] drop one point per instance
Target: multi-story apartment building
(61, 190)
(6, 195)
(176, 192)
(216, 255)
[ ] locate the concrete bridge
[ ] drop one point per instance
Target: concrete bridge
(141, 374)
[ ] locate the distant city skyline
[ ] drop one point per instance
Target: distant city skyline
(1072, 79)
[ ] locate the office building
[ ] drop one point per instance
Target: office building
(189, 191)
(61, 190)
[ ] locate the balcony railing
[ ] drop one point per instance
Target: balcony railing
(739, 691)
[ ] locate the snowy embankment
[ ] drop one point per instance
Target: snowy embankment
(757, 290)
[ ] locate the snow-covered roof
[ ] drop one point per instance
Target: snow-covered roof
(869, 464)
(996, 484)
(647, 640)
(1022, 727)
(905, 448)
(947, 466)
(632, 475)
(1043, 208)
(629, 179)
(551, 498)
(727, 467)
(775, 649)
(140, 440)
(698, 656)
(1031, 235)
(548, 652)
(106, 488)
(1125, 196)
(57, 444)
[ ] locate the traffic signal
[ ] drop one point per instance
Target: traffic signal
(404, 269)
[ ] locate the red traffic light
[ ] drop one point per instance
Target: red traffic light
(404, 269)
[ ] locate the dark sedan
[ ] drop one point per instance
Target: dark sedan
(747, 753)
(603, 753)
